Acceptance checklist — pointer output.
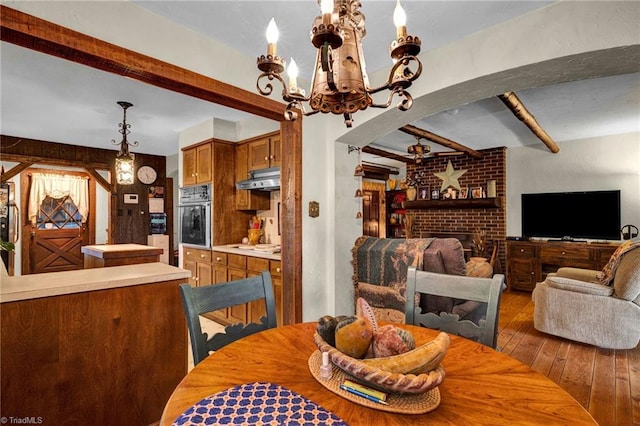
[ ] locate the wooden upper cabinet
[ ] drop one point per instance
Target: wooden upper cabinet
(246, 199)
(197, 164)
(189, 166)
(274, 150)
(264, 152)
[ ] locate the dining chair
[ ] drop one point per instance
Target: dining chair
(484, 290)
(200, 300)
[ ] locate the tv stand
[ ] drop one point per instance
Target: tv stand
(529, 262)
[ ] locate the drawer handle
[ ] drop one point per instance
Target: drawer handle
(266, 158)
(521, 250)
(564, 252)
(277, 269)
(202, 256)
(188, 253)
(532, 272)
(218, 259)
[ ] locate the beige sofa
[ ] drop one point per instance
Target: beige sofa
(574, 304)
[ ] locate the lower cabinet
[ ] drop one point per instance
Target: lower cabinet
(198, 262)
(232, 267)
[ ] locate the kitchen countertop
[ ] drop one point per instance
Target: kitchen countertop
(104, 251)
(233, 249)
(33, 286)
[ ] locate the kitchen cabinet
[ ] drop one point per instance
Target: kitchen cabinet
(255, 266)
(232, 267)
(213, 161)
(237, 270)
(198, 262)
(197, 164)
(275, 267)
(264, 152)
(247, 199)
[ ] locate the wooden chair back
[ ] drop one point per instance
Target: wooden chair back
(200, 300)
(484, 290)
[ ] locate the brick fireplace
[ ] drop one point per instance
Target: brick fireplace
(465, 219)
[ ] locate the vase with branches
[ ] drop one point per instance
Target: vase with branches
(479, 243)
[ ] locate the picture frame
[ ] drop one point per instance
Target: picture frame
(476, 192)
(451, 194)
(423, 193)
(435, 194)
(464, 193)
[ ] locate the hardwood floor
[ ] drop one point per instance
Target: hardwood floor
(606, 382)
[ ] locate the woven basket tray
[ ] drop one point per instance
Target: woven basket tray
(380, 379)
(398, 403)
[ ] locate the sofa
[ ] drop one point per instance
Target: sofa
(380, 274)
(600, 308)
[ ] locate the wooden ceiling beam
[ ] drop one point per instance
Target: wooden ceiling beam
(425, 134)
(518, 109)
(386, 154)
(14, 171)
(44, 36)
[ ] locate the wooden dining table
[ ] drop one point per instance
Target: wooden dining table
(482, 385)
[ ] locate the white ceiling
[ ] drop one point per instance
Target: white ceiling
(51, 99)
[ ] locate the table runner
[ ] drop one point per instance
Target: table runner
(257, 403)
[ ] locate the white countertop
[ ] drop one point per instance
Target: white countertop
(119, 250)
(34, 286)
(233, 249)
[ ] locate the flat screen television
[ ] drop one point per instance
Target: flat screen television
(572, 215)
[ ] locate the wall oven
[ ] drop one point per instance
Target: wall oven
(195, 215)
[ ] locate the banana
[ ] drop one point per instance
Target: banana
(422, 359)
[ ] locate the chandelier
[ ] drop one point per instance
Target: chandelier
(124, 159)
(340, 84)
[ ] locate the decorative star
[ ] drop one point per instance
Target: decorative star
(450, 177)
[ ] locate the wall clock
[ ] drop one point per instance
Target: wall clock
(147, 175)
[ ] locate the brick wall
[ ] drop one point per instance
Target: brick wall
(492, 166)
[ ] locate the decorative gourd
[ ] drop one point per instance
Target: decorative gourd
(353, 336)
(390, 340)
(327, 328)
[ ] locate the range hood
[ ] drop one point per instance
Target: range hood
(262, 180)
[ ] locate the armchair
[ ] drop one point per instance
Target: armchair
(380, 274)
(575, 304)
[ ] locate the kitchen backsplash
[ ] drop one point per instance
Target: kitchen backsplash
(272, 219)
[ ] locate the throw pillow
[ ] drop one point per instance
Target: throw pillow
(609, 270)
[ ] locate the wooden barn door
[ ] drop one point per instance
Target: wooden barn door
(54, 243)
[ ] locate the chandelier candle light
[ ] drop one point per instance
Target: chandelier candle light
(124, 159)
(340, 84)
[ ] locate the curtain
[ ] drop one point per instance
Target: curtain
(58, 186)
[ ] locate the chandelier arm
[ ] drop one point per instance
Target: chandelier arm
(411, 76)
(408, 75)
(407, 102)
(385, 105)
(268, 87)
